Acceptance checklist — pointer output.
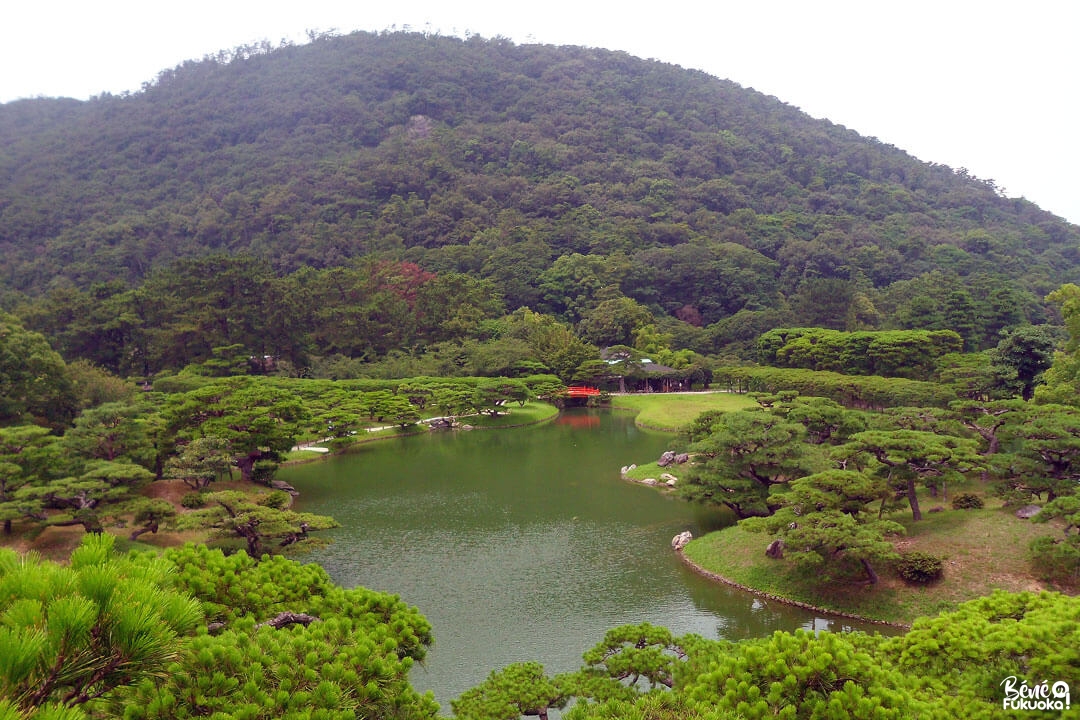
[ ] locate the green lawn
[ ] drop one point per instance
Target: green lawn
(513, 415)
(295, 456)
(984, 550)
(672, 411)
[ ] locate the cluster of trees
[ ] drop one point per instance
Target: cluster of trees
(825, 477)
(195, 632)
(179, 315)
(872, 392)
(225, 315)
(90, 469)
(898, 353)
(882, 369)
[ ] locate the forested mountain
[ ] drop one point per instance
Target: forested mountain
(585, 184)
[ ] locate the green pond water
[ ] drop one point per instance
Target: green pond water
(525, 544)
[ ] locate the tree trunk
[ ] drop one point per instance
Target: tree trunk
(744, 514)
(151, 528)
(90, 525)
(288, 618)
(870, 574)
(253, 548)
(913, 500)
(7, 526)
(246, 464)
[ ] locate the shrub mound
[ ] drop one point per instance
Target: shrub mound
(967, 501)
(920, 568)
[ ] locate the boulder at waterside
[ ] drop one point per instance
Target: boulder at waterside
(284, 486)
(681, 540)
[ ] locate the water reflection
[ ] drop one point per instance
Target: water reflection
(579, 420)
(524, 544)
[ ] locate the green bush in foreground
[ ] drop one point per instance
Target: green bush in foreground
(945, 667)
(125, 637)
(283, 642)
(112, 637)
(69, 635)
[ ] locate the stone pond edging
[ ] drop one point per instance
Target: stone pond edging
(787, 601)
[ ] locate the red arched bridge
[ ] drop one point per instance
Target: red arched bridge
(581, 391)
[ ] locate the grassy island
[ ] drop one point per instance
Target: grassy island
(984, 550)
(979, 549)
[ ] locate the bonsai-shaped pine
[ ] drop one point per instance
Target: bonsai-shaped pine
(507, 694)
(200, 462)
(907, 457)
(104, 488)
(826, 516)
(743, 456)
(258, 421)
(233, 515)
(627, 656)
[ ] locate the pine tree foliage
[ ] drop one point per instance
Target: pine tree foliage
(744, 456)
(234, 515)
(516, 690)
(70, 635)
(831, 516)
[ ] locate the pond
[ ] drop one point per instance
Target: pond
(525, 544)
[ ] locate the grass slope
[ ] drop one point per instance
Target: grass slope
(514, 415)
(670, 412)
(984, 550)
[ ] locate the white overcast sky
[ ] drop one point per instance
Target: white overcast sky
(990, 86)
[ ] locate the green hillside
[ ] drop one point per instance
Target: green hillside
(585, 184)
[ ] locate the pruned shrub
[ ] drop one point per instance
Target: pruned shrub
(1057, 560)
(967, 501)
(193, 500)
(920, 568)
(278, 499)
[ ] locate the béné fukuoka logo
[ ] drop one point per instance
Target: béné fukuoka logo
(1043, 696)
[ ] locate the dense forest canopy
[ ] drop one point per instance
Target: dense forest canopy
(581, 183)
